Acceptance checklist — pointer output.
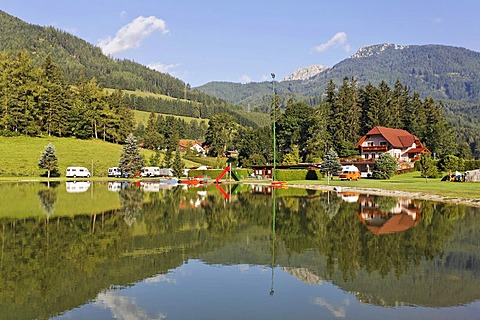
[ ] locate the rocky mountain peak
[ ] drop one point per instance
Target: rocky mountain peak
(305, 73)
(376, 49)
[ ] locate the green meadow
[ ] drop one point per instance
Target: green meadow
(20, 155)
(408, 182)
(142, 117)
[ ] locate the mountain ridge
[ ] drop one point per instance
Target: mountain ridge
(439, 71)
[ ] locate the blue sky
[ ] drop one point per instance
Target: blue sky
(199, 41)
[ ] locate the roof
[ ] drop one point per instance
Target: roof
(397, 223)
(418, 150)
(397, 138)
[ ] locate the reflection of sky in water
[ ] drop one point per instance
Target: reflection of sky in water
(196, 290)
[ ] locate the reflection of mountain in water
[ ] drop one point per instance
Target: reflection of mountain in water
(94, 252)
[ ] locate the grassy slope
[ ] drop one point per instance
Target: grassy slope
(20, 155)
(142, 117)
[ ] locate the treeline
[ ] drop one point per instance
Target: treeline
(78, 58)
(346, 113)
(38, 101)
(165, 132)
(195, 109)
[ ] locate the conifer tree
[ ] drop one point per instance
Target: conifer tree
(178, 165)
(385, 167)
(330, 164)
(49, 161)
(131, 161)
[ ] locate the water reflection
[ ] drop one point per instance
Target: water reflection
(216, 252)
(77, 186)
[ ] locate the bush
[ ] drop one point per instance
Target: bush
(385, 167)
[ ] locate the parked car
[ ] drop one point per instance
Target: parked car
(77, 172)
(349, 172)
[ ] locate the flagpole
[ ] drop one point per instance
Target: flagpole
(274, 135)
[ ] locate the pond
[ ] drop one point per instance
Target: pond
(145, 250)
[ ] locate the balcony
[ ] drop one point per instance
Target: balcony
(374, 148)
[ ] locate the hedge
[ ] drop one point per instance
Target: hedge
(298, 174)
(214, 173)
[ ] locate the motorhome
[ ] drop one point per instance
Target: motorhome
(166, 172)
(77, 172)
(115, 172)
(150, 172)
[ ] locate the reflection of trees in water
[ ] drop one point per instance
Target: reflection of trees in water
(78, 256)
(47, 197)
(131, 200)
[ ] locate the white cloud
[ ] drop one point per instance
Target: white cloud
(339, 39)
(123, 308)
(165, 68)
(132, 34)
(245, 79)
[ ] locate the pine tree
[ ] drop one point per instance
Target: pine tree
(131, 161)
(178, 165)
(385, 167)
(49, 161)
(330, 164)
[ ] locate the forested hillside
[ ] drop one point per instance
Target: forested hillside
(80, 59)
(450, 75)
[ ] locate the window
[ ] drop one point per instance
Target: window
(383, 143)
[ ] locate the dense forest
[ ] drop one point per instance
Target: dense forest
(79, 59)
(317, 232)
(447, 74)
(38, 101)
(305, 133)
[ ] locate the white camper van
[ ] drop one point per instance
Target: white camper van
(77, 172)
(150, 172)
(114, 172)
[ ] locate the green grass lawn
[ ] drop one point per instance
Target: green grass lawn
(142, 117)
(20, 155)
(410, 182)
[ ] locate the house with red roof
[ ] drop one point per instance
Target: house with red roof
(399, 143)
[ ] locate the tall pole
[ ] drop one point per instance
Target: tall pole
(274, 120)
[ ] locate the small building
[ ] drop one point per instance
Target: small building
(192, 145)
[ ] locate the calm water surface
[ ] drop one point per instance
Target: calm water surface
(85, 250)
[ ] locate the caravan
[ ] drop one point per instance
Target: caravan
(77, 172)
(150, 172)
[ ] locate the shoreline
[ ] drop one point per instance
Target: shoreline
(392, 193)
(473, 202)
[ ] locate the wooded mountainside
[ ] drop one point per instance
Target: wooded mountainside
(80, 59)
(450, 75)
(52, 83)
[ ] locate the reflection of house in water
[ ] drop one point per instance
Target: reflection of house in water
(402, 216)
(77, 186)
(261, 189)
